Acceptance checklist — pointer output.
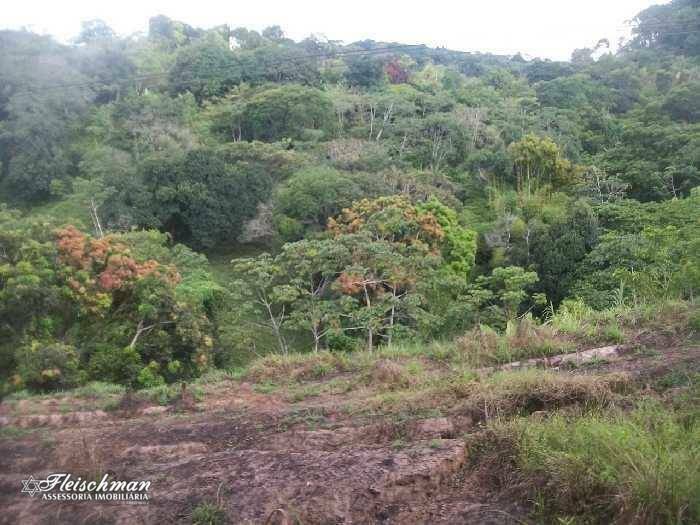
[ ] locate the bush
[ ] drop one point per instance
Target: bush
(48, 366)
(149, 377)
(208, 514)
(116, 365)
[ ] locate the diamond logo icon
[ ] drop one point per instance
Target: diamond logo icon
(30, 486)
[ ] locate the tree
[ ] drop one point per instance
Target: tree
(364, 71)
(206, 69)
(509, 286)
(657, 27)
(261, 290)
(97, 298)
(537, 161)
(683, 102)
(191, 196)
(305, 201)
(459, 243)
(94, 30)
(312, 267)
(37, 125)
(291, 111)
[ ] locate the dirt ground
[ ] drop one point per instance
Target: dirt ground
(263, 458)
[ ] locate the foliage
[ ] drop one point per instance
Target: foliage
(285, 112)
(113, 310)
(399, 195)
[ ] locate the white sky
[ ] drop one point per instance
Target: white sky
(543, 28)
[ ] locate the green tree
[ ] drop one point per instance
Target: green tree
(290, 111)
(538, 161)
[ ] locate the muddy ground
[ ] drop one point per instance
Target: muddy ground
(266, 459)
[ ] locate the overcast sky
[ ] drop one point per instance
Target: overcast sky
(543, 28)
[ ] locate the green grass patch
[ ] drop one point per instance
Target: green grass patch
(208, 514)
(641, 467)
(12, 432)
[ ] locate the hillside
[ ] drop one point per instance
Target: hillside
(305, 276)
(405, 435)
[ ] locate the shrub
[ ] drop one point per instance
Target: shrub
(48, 366)
(117, 365)
(208, 514)
(149, 377)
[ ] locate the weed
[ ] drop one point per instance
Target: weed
(208, 514)
(613, 333)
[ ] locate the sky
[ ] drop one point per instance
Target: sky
(537, 28)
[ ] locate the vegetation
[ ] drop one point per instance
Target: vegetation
(380, 210)
(398, 195)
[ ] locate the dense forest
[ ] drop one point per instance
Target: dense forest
(193, 198)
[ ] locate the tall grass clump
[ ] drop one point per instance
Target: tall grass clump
(642, 467)
(523, 339)
(618, 323)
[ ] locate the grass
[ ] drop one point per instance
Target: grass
(483, 346)
(208, 514)
(638, 468)
(506, 393)
(300, 394)
(98, 389)
(528, 391)
(297, 367)
(97, 394)
(678, 377)
(573, 325)
(166, 394)
(622, 322)
(639, 464)
(266, 387)
(312, 418)
(92, 390)
(435, 444)
(218, 375)
(13, 432)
